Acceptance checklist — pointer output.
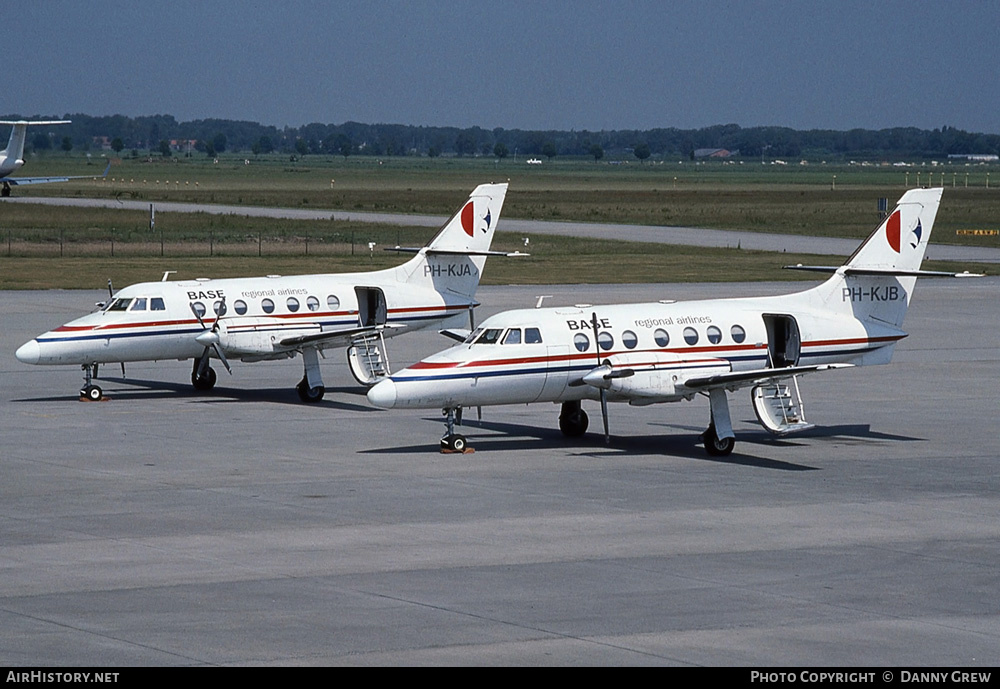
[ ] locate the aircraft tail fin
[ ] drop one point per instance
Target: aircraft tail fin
(900, 241)
(876, 283)
(18, 133)
(454, 260)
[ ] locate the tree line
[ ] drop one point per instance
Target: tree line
(164, 135)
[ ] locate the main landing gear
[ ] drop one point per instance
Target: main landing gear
(452, 441)
(90, 392)
(573, 421)
(719, 438)
(202, 375)
(310, 388)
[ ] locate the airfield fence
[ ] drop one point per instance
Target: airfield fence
(140, 243)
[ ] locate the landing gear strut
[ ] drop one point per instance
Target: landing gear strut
(719, 437)
(310, 388)
(90, 391)
(453, 442)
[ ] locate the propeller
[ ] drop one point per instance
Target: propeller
(210, 338)
(602, 369)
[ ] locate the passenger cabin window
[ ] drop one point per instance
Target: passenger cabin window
(581, 342)
(691, 336)
(219, 307)
(138, 304)
(267, 305)
(532, 336)
(513, 336)
(240, 306)
(629, 339)
(156, 304)
(738, 333)
(714, 334)
(199, 309)
(312, 303)
(332, 302)
(661, 337)
(293, 304)
(606, 341)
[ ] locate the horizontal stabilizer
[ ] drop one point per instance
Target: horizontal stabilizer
(457, 334)
(885, 272)
(452, 252)
(20, 181)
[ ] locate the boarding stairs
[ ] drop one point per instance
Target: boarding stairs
(779, 407)
(367, 358)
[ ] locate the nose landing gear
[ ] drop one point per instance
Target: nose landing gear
(90, 392)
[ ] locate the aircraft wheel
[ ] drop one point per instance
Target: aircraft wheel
(455, 443)
(308, 394)
(92, 393)
(573, 421)
(716, 446)
(205, 382)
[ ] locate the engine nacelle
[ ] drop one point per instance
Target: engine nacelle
(643, 376)
(260, 337)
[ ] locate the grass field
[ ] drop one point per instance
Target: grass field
(69, 247)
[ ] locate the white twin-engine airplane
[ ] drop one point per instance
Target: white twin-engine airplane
(667, 352)
(12, 157)
(275, 317)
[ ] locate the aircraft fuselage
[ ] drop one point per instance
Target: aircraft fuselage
(156, 320)
(662, 345)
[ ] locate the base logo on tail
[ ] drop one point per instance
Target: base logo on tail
(893, 231)
(469, 219)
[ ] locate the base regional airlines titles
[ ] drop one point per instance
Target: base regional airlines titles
(905, 676)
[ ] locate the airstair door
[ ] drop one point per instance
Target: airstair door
(372, 310)
(783, 341)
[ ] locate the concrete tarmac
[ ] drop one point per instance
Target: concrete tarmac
(164, 527)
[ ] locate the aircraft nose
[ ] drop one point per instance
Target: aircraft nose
(383, 394)
(28, 353)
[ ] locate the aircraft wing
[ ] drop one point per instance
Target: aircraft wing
(18, 181)
(739, 379)
(333, 338)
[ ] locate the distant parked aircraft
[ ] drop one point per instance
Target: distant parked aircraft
(12, 157)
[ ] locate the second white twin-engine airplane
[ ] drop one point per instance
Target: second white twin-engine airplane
(277, 317)
(12, 157)
(667, 352)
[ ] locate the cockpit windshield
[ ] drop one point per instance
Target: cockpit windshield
(489, 336)
(136, 304)
(507, 336)
(119, 305)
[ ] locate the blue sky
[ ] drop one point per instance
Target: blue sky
(585, 64)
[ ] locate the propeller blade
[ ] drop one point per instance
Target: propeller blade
(604, 415)
(198, 316)
(222, 357)
(600, 377)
